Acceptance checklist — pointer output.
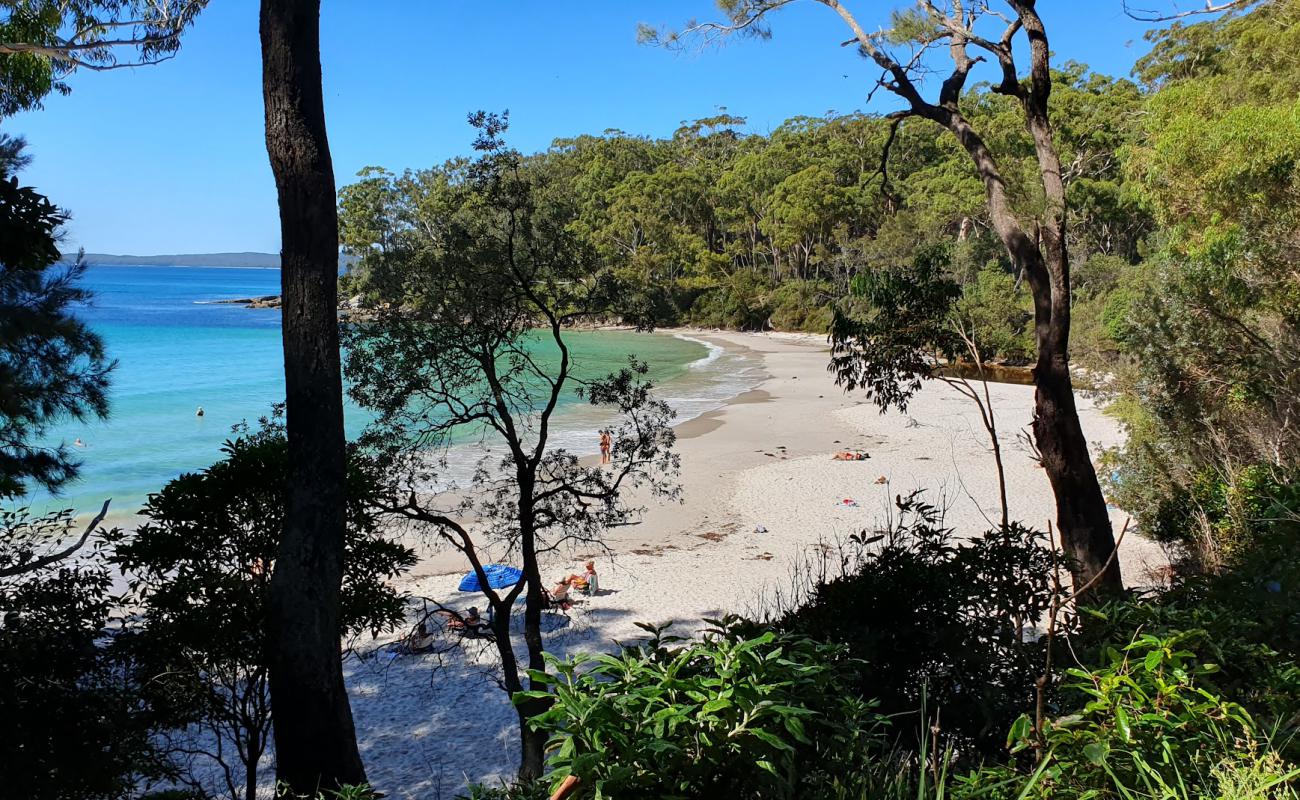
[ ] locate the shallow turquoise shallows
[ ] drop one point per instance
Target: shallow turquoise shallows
(177, 350)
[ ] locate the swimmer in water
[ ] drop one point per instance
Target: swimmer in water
(199, 413)
(78, 443)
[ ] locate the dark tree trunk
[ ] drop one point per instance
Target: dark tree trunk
(314, 737)
(532, 743)
(1081, 510)
(250, 766)
(1081, 515)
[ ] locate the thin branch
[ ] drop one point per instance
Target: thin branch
(45, 561)
(1144, 15)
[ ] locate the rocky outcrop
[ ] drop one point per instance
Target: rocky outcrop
(265, 301)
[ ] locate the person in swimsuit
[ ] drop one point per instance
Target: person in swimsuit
(850, 455)
(606, 441)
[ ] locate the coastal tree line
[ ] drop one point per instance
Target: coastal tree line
(1160, 209)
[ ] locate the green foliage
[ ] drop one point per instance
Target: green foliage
(470, 336)
(342, 793)
(76, 724)
(1210, 331)
(25, 78)
(710, 226)
(1149, 723)
(99, 34)
(740, 713)
(742, 301)
(997, 314)
(947, 621)
(886, 337)
(52, 366)
(802, 306)
(199, 568)
(521, 790)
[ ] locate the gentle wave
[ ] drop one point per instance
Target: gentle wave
(716, 378)
(715, 351)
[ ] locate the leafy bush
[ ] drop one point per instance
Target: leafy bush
(1246, 622)
(73, 722)
(996, 313)
(923, 614)
(1150, 722)
(738, 714)
(802, 306)
(200, 569)
(741, 301)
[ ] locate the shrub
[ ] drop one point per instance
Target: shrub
(200, 569)
(73, 722)
(1149, 723)
(738, 714)
(741, 301)
(996, 313)
(921, 613)
(802, 306)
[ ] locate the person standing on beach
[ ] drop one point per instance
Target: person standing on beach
(605, 442)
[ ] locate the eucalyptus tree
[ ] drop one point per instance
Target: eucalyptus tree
(1211, 325)
(468, 343)
(1032, 229)
(43, 41)
(315, 739)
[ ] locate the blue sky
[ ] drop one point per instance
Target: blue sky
(171, 158)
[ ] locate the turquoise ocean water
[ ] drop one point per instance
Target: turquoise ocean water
(177, 350)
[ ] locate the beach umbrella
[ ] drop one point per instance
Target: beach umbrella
(499, 577)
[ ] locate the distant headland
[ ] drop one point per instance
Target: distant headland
(183, 259)
(248, 259)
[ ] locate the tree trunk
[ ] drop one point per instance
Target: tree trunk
(1081, 515)
(532, 743)
(250, 766)
(314, 737)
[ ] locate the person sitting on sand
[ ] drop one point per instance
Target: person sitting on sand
(850, 455)
(467, 624)
(560, 593)
(586, 582)
(421, 639)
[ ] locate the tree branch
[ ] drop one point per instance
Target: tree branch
(45, 561)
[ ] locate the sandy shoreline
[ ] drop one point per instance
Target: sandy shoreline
(428, 724)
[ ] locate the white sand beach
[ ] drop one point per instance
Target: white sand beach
(427, 724)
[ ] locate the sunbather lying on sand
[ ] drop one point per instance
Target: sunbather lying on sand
(469, 623)
(850, 455)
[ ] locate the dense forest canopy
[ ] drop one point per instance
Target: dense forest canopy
(718, 226)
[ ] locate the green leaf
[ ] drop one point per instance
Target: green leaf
(1122, 724)
(1096, 753)
(770, 739)
(715, 705)
(1020, 729)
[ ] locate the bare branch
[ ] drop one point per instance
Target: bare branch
(1210, 7)
(53, 558)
